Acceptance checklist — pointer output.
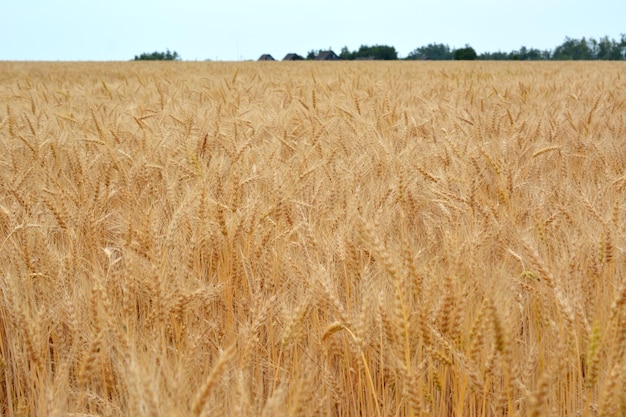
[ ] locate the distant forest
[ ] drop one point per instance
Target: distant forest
(571, 49)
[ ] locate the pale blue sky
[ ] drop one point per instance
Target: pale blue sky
(245, 29)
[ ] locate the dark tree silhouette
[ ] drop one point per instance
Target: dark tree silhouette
(465, 54)
(377, 52)
(158, 56)
(432, 51)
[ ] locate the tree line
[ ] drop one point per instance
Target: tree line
(158, 56)
(571, 49)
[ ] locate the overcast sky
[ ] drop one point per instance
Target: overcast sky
(96, 30)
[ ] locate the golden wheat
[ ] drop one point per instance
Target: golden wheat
(407, 238)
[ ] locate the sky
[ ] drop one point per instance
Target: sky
(233, 30)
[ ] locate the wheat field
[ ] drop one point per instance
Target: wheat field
(312, 239)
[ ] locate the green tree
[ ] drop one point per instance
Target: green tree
(494, 56)
(378, 52)
(158, 56)
(312, 54)
(573, 49)
(432, 51)
(345, 54)
(465, 54)
(608, 49)
(525, 54)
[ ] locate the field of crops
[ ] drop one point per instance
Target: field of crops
(312, 239)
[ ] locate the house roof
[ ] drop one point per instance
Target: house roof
(266, 57)
(327, 56)
(292, 57)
